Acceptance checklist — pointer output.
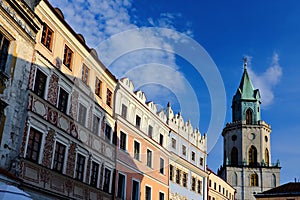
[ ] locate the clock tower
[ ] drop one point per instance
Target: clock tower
(247, 150)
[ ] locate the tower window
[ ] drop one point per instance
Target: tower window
(254, 180)
(234, 156)
(267, 157)
(249, 116)
(252, 156)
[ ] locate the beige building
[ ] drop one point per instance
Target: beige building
(218, 189)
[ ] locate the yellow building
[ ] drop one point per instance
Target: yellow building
(218, 189)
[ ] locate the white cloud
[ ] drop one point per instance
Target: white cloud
(266, 81)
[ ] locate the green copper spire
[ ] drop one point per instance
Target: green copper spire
(246, 99)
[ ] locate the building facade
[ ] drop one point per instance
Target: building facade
(218, 189)
(142, 156)
(188, 176)
(18, 28)
(247, 162)
(66, 140)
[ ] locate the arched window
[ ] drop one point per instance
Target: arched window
(249, 116)
(252, 159)
(234, 156)
(273, 183)
(267, 157)
(253, 180)
(235, 179)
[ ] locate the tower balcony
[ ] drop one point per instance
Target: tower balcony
(252, 165)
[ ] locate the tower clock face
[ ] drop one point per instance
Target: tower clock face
(251, 136)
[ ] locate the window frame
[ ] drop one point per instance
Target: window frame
(109, 96)
(4, 68)
(162, 166)
(85, 74)
(77, 170)
(183, 150)
(125, 141)
(151, 158)
(68, 56)
(44, 38)
(97, 174)
(138, 157)
(125, 184)
(139, 188)
(83, 123)
(161, 139)
(148, 187)
(66, 110)
(124, 111)
(54, 168)
(174, 141)
(98, 87)
(39, 154)
(104, 178)
(138, 121)
(161, 192)
(34, 89)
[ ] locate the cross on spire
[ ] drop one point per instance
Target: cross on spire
(245, 62)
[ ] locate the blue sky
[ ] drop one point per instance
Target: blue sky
(267, 32)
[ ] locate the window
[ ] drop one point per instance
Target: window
(252, 156)
(40, 83)
(183, 150)
(273, 181)
(253, 180)
(234, 156)
(80, 167)
(178, 176)
(150, 131)
(199, 186)
(161, 139)
(209, 183)
(98, 86)
(63, 100)
(135, 190)
(59, 157)
(215, 186)
(193, 184)
(96, 123)
(85, 74)
(95, 174)
(267, 157)
(107, 132)
(148, 193)
(34, 145)
(162, 166)
(124, 111)
(82, 114)
(161, 196)
(235, 179)
(171, 171)
(68, 55)
(136, 150)
(123, 137)
(121, 186)
(4, 44)
(249, 116)
(47, 37)
(201, 161)
(106, 183)
(193, 156)
(149, 158)
(137, 121)
(220, 188)
(184, 179)
(173, 143)
(108, 97)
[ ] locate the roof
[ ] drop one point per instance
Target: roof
(246, 90)
(288, 189)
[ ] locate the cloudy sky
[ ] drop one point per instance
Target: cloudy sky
(139, 39)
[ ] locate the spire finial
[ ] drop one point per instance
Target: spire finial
(245, 62)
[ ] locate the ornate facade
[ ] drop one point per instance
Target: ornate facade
(247, 162)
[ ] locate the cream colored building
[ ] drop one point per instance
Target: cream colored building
(288, 191)
(218, 189)
(187, 146)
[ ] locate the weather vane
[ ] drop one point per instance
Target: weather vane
(245, 62)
